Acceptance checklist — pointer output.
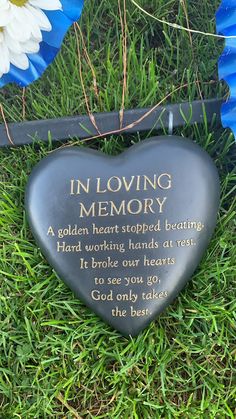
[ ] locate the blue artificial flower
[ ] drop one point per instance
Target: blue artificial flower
(226, 25)
(31, 34)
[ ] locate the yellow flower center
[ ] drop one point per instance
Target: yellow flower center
(19, 3)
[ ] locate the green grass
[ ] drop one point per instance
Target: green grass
(57, 359)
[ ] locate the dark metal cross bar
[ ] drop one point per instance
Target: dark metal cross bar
(135, 120)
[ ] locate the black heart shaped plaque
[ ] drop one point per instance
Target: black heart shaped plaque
(125, 233)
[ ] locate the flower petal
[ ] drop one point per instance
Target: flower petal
(46, 4)
(5, 17)
(5, 59)
(19, 60)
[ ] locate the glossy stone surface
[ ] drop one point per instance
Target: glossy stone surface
(125, 233)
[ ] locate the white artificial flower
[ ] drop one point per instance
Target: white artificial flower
(21, 26)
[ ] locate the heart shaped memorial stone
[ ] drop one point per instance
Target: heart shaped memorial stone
(125, 233)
